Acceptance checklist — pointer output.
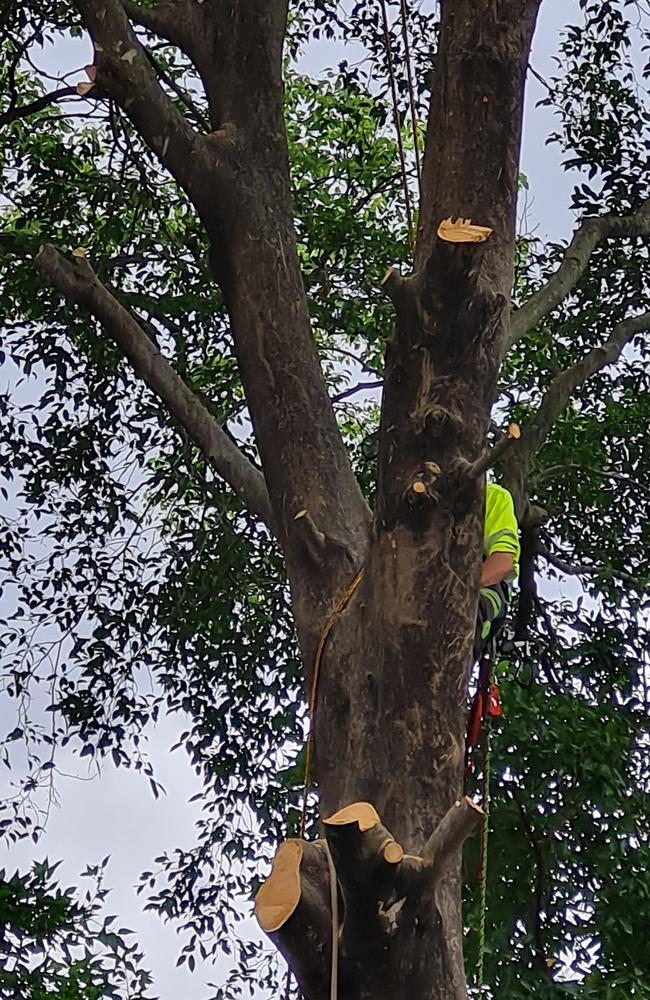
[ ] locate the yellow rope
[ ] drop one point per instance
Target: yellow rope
(330, 621)
(340, 606)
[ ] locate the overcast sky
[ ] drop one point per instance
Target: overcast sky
(115, 813)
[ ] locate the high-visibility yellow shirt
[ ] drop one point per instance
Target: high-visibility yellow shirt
(501, 532)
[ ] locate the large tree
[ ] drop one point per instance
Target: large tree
(382, 570)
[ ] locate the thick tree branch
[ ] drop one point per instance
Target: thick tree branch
(294, 907)
(557, 397)
(165, 18)
(126, 74)
(77, 281)
(457, 823)
(592, 232)
(25, 110)
(563, 385)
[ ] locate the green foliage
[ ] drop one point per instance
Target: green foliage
(136, 584)
(55, 947)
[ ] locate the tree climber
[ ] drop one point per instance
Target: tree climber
(501, 551)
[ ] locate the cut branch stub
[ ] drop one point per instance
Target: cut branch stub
(280, 894)
(423, 484)
(463, 231)
(452, 830)
(359, 842)
(293, 908)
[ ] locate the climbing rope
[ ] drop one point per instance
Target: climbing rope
(339, 607)
(409, 77)
(398, 130)
(483, 852)
(330, 621)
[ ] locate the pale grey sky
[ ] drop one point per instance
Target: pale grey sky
(115, 813)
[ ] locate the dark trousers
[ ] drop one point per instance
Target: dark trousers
(492, 609)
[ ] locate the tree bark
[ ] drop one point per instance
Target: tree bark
(390, 712)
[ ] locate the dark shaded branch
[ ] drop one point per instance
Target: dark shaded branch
(585, 240)
(563, 385)
(125, 73)
(457, 823)
(527, 583)
(25, 110)
(581, 569)
(184, 98)
(354, 389)
(164, 18)
(77, 281)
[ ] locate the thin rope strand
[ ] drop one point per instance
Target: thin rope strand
(400, 144)
(409, 76)
(485, 829)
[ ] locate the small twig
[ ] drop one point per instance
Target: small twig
(540, 78)
(185, 99)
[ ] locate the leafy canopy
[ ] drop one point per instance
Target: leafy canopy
(135, 584)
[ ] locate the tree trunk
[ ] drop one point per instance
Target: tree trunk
(391, 699)
(391, 709)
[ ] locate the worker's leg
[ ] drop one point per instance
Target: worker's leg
(492, 608)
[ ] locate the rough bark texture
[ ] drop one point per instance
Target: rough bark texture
(391, 715)
(391, 707)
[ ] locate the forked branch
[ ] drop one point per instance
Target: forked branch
(574, 263)
(126, 74)
(77, 281)
(564, 385)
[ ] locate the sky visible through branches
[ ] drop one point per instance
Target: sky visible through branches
(114, 813)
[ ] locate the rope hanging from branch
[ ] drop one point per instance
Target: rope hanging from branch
(398, 131)
(330, 621)
(409, 76)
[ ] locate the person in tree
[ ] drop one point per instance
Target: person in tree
(501, 551)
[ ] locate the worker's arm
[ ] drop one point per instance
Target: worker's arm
(496, 568)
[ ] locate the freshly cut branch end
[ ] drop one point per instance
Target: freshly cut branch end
(362, 813)
(463, 231)
(393, 853)
(279, 896)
